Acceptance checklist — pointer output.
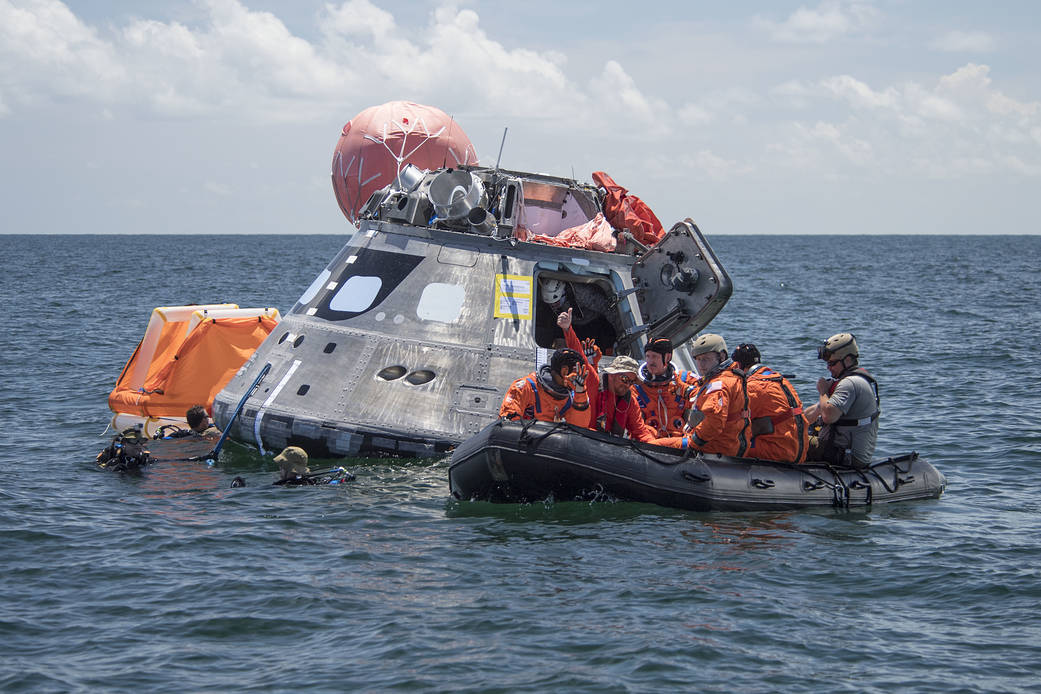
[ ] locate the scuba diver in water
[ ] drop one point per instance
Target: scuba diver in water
(198, 425)
(293, 471)
(199, 422)
(126, 453)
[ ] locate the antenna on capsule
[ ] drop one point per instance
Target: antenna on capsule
(501, 145)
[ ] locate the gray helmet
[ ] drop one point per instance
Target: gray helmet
(838, 347)
(709, 342)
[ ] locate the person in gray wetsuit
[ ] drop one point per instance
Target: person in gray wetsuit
(848, 407)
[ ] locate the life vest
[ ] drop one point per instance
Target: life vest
(778, 428)
(863, 421)
(663, 400)
(826, 448)
(722, 432)
(524, 400)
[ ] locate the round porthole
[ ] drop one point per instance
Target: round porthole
(418, 378)
(283, 338)
(298, 340)
(392, 372)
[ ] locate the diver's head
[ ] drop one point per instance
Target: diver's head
(709, 350)
(197, 418)
(292, 462)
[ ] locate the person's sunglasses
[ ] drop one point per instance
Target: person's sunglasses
(833, 362)
(627, 380)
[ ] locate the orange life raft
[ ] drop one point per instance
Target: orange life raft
(188, 354)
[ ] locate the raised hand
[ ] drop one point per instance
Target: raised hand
(577, 380)
(564, 320)
(593, 352)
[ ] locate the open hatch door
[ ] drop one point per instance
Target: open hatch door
(680, 285)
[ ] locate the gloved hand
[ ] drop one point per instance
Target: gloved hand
(593, 353)
(578, 380)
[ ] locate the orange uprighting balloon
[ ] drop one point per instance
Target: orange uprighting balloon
(381, 140)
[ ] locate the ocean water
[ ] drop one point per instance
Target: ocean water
(171, 581)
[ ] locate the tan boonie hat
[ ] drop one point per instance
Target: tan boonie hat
(622, 365)
(293, 459)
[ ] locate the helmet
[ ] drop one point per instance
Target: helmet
(838, 347)
(709, 342)
(661, 345)
(552, 291)
(747, 354)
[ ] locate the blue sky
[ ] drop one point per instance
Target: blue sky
(220, 116)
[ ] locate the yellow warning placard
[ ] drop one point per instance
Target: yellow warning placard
(513, 296)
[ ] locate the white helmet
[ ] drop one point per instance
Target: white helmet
(552, 291)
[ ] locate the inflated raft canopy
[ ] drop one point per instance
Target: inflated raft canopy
(522, 462)
(187, 355)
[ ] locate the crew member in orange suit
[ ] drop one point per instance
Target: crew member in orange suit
(720, 414)
(554, 393)
(613, 406)
(778, 429)
(663, 392)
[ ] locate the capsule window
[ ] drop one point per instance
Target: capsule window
(298, 341)
(329, 348)
(441, 302)
(418, 378)
(302, 390)
(392, 373)
(356, 295)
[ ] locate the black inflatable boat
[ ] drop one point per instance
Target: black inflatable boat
(513, 462)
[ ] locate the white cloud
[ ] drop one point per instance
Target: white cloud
(624, 98)
(858, 94)
(961, 126)
(453, 60)
(221, 189)
(829, 21)
(238, 64)
(964, 42)
(707, 164)
(46, 50)
(693, 115)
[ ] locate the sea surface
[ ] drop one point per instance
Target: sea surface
(171, 581)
